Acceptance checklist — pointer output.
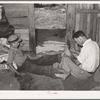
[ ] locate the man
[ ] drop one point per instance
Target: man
(81, 66)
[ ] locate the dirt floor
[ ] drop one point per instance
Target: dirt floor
(32, 81)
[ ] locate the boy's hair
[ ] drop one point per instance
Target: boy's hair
(78, 34)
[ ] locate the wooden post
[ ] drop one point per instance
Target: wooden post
(32, 37)
(70, 21)
(70, 17)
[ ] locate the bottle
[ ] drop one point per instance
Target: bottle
(0, 12)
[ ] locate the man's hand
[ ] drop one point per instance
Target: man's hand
(67, 52)
(75, 55)
(72, 50)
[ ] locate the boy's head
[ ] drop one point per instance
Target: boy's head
(79, 37)
(14, 41)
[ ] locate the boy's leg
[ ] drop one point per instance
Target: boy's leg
(31, 66)
(63, 67)
(76, 70)
(28, 66)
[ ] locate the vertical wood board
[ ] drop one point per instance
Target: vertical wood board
(91, 26)
(81, 22)
(88, 25)
(85, 23)
(32, 39)
(97, 34)
(77, 22)
(94, 27)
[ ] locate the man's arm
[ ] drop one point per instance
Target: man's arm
(73, 56)
(75, 60)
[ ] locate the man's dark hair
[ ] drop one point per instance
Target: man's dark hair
(78, 34)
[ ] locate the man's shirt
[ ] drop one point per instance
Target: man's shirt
(89, 56)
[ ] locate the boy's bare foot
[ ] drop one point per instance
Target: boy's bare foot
(62, 76)
(62, 71)
(34, 57)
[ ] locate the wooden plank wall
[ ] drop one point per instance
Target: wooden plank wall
(78, 16)
(88, 20)
(17, 15)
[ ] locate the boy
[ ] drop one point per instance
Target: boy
(14, 54)
(23, 61)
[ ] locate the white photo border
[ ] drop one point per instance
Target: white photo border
(50, 94)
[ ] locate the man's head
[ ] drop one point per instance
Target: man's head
(79, 37)
(14, 41)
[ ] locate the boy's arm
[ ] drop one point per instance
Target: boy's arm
(12, 68)
(11, 56)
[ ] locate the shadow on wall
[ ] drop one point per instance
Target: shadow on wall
(50, 34)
